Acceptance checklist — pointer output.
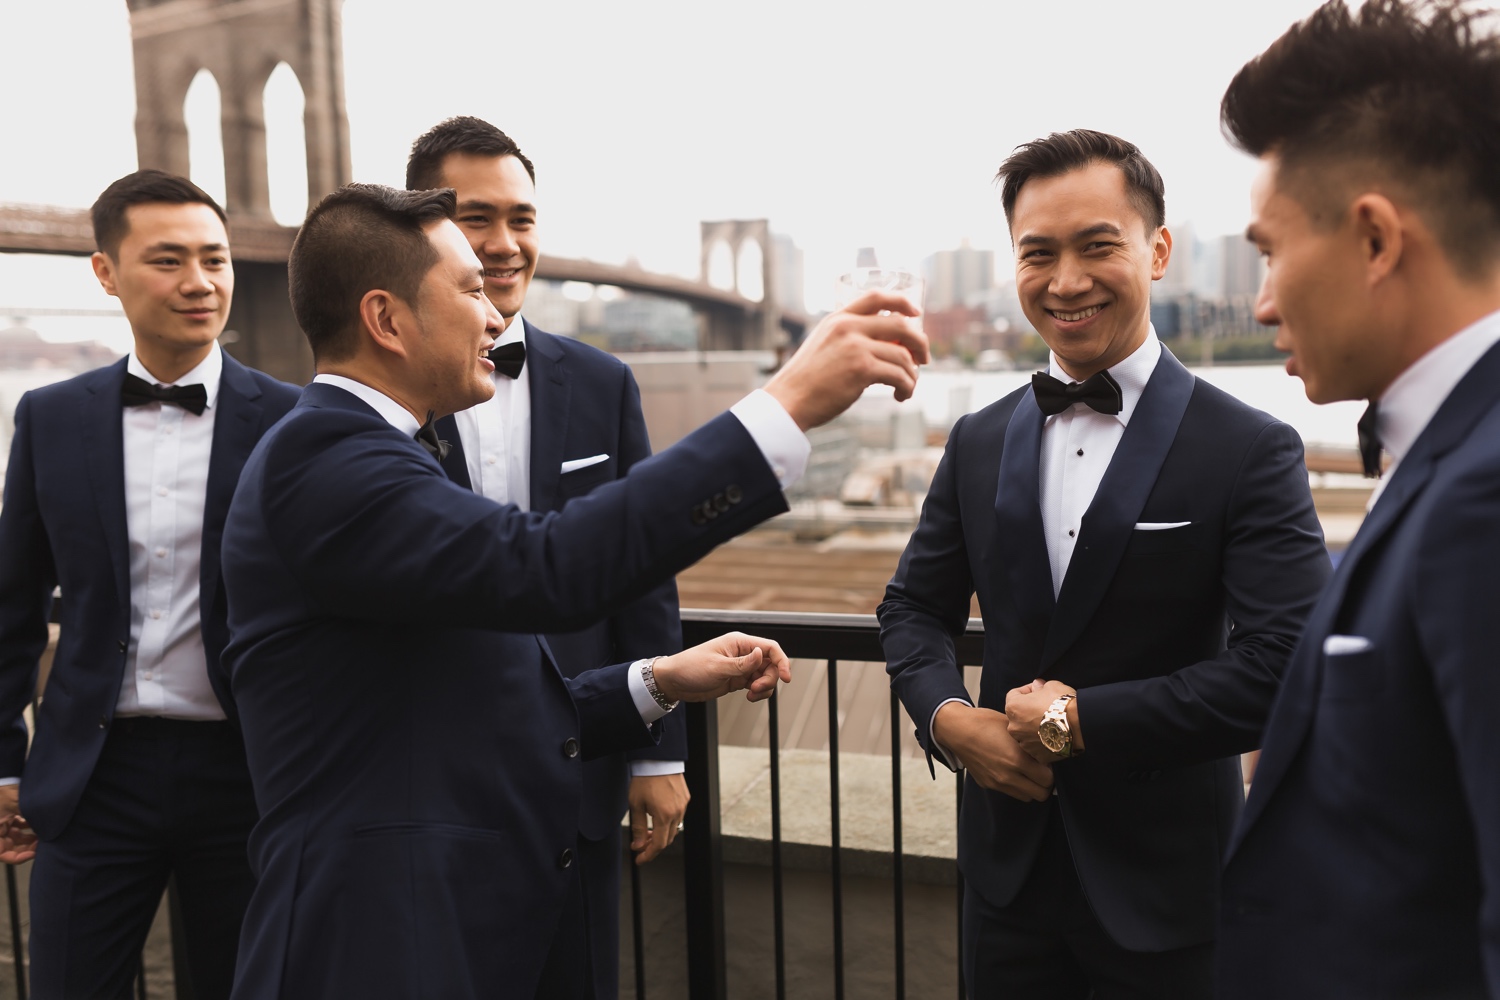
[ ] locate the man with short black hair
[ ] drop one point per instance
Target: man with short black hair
(565, 418)
(1367, 862)
(416, 753)
(116, 490)
(1144, 549)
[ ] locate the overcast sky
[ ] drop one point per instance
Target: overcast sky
(845, 124)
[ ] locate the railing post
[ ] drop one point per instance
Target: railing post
(703, 858)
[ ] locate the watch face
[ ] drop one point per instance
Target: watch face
(1053, 736)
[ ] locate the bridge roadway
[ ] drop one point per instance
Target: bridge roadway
(51, 230)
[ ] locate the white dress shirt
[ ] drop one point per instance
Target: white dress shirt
(166, 480)
(1077, 447)
(496, 434)
(1411, 401)
(773, 430)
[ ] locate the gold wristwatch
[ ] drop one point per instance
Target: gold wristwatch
(1054, 732)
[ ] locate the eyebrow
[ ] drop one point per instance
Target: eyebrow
(165, 247)
(474, 276)
(1098, 229)
(475, 205)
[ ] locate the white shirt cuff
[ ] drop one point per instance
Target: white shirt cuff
(656, 768)
(947, 756)
(9, 781)
(644, 703)
(777, 435)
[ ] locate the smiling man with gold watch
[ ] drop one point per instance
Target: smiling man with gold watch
(1144, 550)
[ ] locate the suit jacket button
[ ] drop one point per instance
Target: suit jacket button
(103, 722)
(721, 503)
(733, 494)
(122, 645)
(565, 859)
(570, 747)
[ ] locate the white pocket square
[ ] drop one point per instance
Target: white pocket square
(574, 464)
(1343, 645)
(1160, 525)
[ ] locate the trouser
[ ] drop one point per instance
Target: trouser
(1047, 942)
(167, 799)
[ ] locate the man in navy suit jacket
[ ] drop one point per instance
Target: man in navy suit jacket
(565, 418)
(1144, 549)
(1367, 863)
(117, 491)
(416, 753)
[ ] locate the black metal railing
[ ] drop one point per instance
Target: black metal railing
(830, 637)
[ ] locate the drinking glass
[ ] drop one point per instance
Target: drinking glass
(897, 280)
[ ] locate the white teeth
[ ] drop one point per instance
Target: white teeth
(1076, 316)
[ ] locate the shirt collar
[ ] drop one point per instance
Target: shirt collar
(1133, 373)
(390, 411)
(515, 332)
(1408, 405)
(206, 373)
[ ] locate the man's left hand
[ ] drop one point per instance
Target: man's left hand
(1024, 708)
(657, 804)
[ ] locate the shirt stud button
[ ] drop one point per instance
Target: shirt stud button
(1080, 452)
(1071, 533)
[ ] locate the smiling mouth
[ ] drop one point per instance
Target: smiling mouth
(1073, 317)
(502, 273)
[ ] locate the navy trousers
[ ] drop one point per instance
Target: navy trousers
(167, 798)
(1047, 942)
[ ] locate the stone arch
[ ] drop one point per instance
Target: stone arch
(202, 118)
(284, 105)
(241, 44)
(750, 270)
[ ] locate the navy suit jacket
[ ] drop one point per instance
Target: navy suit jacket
(1367, 863)
(584, 402)
(415, 828)
(63, 524)
(1175, 638)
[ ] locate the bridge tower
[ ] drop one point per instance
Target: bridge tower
(241, 42)
(761, 330)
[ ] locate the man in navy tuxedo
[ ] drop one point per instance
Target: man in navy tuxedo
(565, 418)
(417, 755)
(1144, 549)
(1367, 863)
(116, 492)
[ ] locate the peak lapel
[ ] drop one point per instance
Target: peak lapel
(1471, 399)
(1127, 483)
(1019, 538)
(551, 392)
(236, 429)
(104, 449)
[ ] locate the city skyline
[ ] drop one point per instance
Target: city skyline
(643, 123)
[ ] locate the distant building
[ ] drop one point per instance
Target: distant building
(957, 277)
(790, 291)
(1242, 268)
(549, 309)
(649, 323)
(22, 347)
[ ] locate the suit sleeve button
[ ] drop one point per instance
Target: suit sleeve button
(733, 494)
(721, 503)
(570, 748)
(708, 510)
(698, 517)
(565, 859)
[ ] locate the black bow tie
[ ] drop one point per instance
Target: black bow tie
(1100, 391)
(509, 358)
(427, 438)
(1369, 440)
(138, 392)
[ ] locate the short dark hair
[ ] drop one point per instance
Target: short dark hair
(1062, 152)
(360, 238)
(144, 187)
(463, 134)
(1402, 91)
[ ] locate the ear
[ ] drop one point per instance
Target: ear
(1381, 234)
(386, 321)
(1161, 252)
(104, 270)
